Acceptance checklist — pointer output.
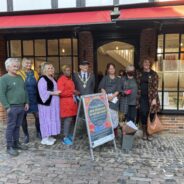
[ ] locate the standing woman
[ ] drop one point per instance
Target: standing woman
(48, 105)
(68, 106)
(129, 94)
(110, 85)
(148, 100)
(30, 78)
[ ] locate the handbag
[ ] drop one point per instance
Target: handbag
(155, 125)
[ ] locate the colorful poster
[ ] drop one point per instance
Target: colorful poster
(98, 119)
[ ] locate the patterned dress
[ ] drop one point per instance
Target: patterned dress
(49, 115)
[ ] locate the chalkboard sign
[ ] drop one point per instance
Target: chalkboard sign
(97, 118)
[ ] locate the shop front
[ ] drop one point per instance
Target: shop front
(68, 37)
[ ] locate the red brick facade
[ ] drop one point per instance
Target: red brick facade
(86, 47)
(2, 71)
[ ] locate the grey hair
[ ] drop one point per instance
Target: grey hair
(24, 61)
(9, 62)
(130, 68)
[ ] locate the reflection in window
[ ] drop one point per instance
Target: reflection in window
(170, 68)
(65, 47)
(170, 100)
(28, 48)
(171, 42)
(55, 51)
(52, 47)
(40, 48)
(15, 47)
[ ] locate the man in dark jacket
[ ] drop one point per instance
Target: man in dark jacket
(84, 81)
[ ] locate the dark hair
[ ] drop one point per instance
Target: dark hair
(147, 59)
(108, 66)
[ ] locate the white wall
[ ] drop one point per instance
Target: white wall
(66, 3)
(31, 4)
(99, 2)
(3, 5)
(132, 1)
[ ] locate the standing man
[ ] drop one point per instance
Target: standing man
(14, 98)
(84, 81)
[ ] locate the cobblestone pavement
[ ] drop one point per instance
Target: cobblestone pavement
(158, 162)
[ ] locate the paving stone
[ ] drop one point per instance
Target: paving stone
(158, 162)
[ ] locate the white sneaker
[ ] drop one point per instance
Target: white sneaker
(52, 139)
(46, 141)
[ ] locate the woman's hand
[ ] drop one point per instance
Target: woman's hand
(154, 102)
(110, 98)
(77, 93)
(55, 93)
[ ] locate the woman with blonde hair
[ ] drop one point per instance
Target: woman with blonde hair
(68, 105)
(48, 105)
(30, 78)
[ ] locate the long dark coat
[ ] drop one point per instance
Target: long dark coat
(152, 90)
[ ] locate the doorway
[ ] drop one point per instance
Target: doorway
(119, 53)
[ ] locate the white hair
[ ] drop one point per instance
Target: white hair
(24, 60)
(9, 62)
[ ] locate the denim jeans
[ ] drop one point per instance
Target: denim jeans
(14, 121)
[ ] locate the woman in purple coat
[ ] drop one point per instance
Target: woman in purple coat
(48, 105)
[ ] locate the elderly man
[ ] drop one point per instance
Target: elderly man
(14, 98)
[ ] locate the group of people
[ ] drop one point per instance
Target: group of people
(55, 103)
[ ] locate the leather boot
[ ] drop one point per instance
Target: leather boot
(144, 129)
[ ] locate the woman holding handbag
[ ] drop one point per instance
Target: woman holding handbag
(148, 100)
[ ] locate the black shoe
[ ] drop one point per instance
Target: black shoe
(26, 139)
(11, 151)
(17, 146)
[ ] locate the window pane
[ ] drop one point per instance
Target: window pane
(38, 62)
(75, 47)
(65, 46)
(55, 62)
(181, 65)
(182, 43)
(40, 48)
(170, 100)
(182, 56)
(52, 47)
(65, 61)
(158, 66)
(15, 46)
(170, 81)
(170, 65)
(160, 98)
(28, 48)
(181, 81)
(171, 42)
(75, 64)
(160, 44)
(160, 80)
(181, 100)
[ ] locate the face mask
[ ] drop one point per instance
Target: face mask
(130, 73)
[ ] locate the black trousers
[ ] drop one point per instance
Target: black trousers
(25, 126)
(131, 114)
(144, 111)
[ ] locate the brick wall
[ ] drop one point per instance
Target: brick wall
(148, 43)
(2, 71)
(86, 47)
(173, 123)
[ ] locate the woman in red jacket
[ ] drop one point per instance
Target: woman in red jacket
(68, 105)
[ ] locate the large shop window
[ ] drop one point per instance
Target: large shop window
(170, 68)
(56, 51)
